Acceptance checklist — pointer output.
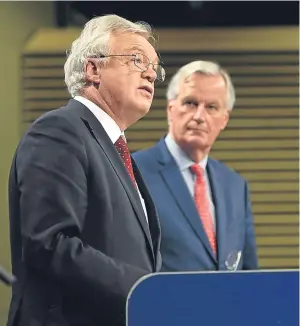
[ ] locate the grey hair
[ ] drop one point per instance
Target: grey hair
(202, 67)
(93, 41)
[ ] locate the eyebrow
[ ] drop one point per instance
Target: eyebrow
(195, 99)
(189, 98)
(138, 48)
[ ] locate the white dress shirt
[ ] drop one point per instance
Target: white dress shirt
(184, 163)
(110, 126)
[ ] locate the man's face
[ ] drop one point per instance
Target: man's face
(124, 87)
(199, 112)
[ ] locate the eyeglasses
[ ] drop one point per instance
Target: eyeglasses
(142, 62)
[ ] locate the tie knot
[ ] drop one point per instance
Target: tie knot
(197, 169)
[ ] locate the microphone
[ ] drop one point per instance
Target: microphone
(6, 278)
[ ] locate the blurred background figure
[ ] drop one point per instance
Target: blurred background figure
(203, 206)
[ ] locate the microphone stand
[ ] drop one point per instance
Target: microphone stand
(6, 278)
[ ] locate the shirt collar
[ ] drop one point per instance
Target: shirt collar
(108, 123)
(181, 158)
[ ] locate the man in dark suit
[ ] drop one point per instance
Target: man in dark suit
(203, 206)
(83, 226)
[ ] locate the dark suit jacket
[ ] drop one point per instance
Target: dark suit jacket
(185, 246)
(79, 236)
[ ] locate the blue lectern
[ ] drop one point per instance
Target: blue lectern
(260, 298)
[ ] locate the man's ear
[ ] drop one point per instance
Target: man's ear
(170, 106)
(92, 71)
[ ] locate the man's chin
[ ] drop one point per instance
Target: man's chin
(198, 141)
(144, 109)
(139, 112)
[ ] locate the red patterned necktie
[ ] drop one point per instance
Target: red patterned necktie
(202, 205)
(123, 150)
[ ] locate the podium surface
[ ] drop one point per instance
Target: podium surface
(259, 298)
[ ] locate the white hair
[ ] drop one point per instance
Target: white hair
(201, 67)
(94, 41)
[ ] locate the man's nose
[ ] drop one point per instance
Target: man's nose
(150, 74)
(199, 113)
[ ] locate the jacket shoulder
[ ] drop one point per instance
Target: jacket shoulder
(147, 159)
(145, 155)
(226, 170)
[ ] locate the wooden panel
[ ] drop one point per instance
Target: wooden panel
(255, 176)
(262, 144)
(46, 73)
(274, 230)
(261, 123)
(278, 240)
(57, 61)
(265, 80)
(46, 105)
(262, 139)
(272, 219)
(46, 94)
(280, 198)
(259, 155)
(282, 262)
(278, 251)
(279, 187)
(44, 83)
(262, 90)
(275, 208)
(265, 113)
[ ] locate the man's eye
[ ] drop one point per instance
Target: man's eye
(190, 103)
(137, 58)
(212, 107)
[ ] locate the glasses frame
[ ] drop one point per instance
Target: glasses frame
(137, 65)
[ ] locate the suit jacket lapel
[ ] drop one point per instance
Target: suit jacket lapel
(105, 143)
(219, 199)
(177, 187)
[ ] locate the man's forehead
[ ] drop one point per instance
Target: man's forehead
(126, 42)
(212, 91)
(204, 81)
(187, 85)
